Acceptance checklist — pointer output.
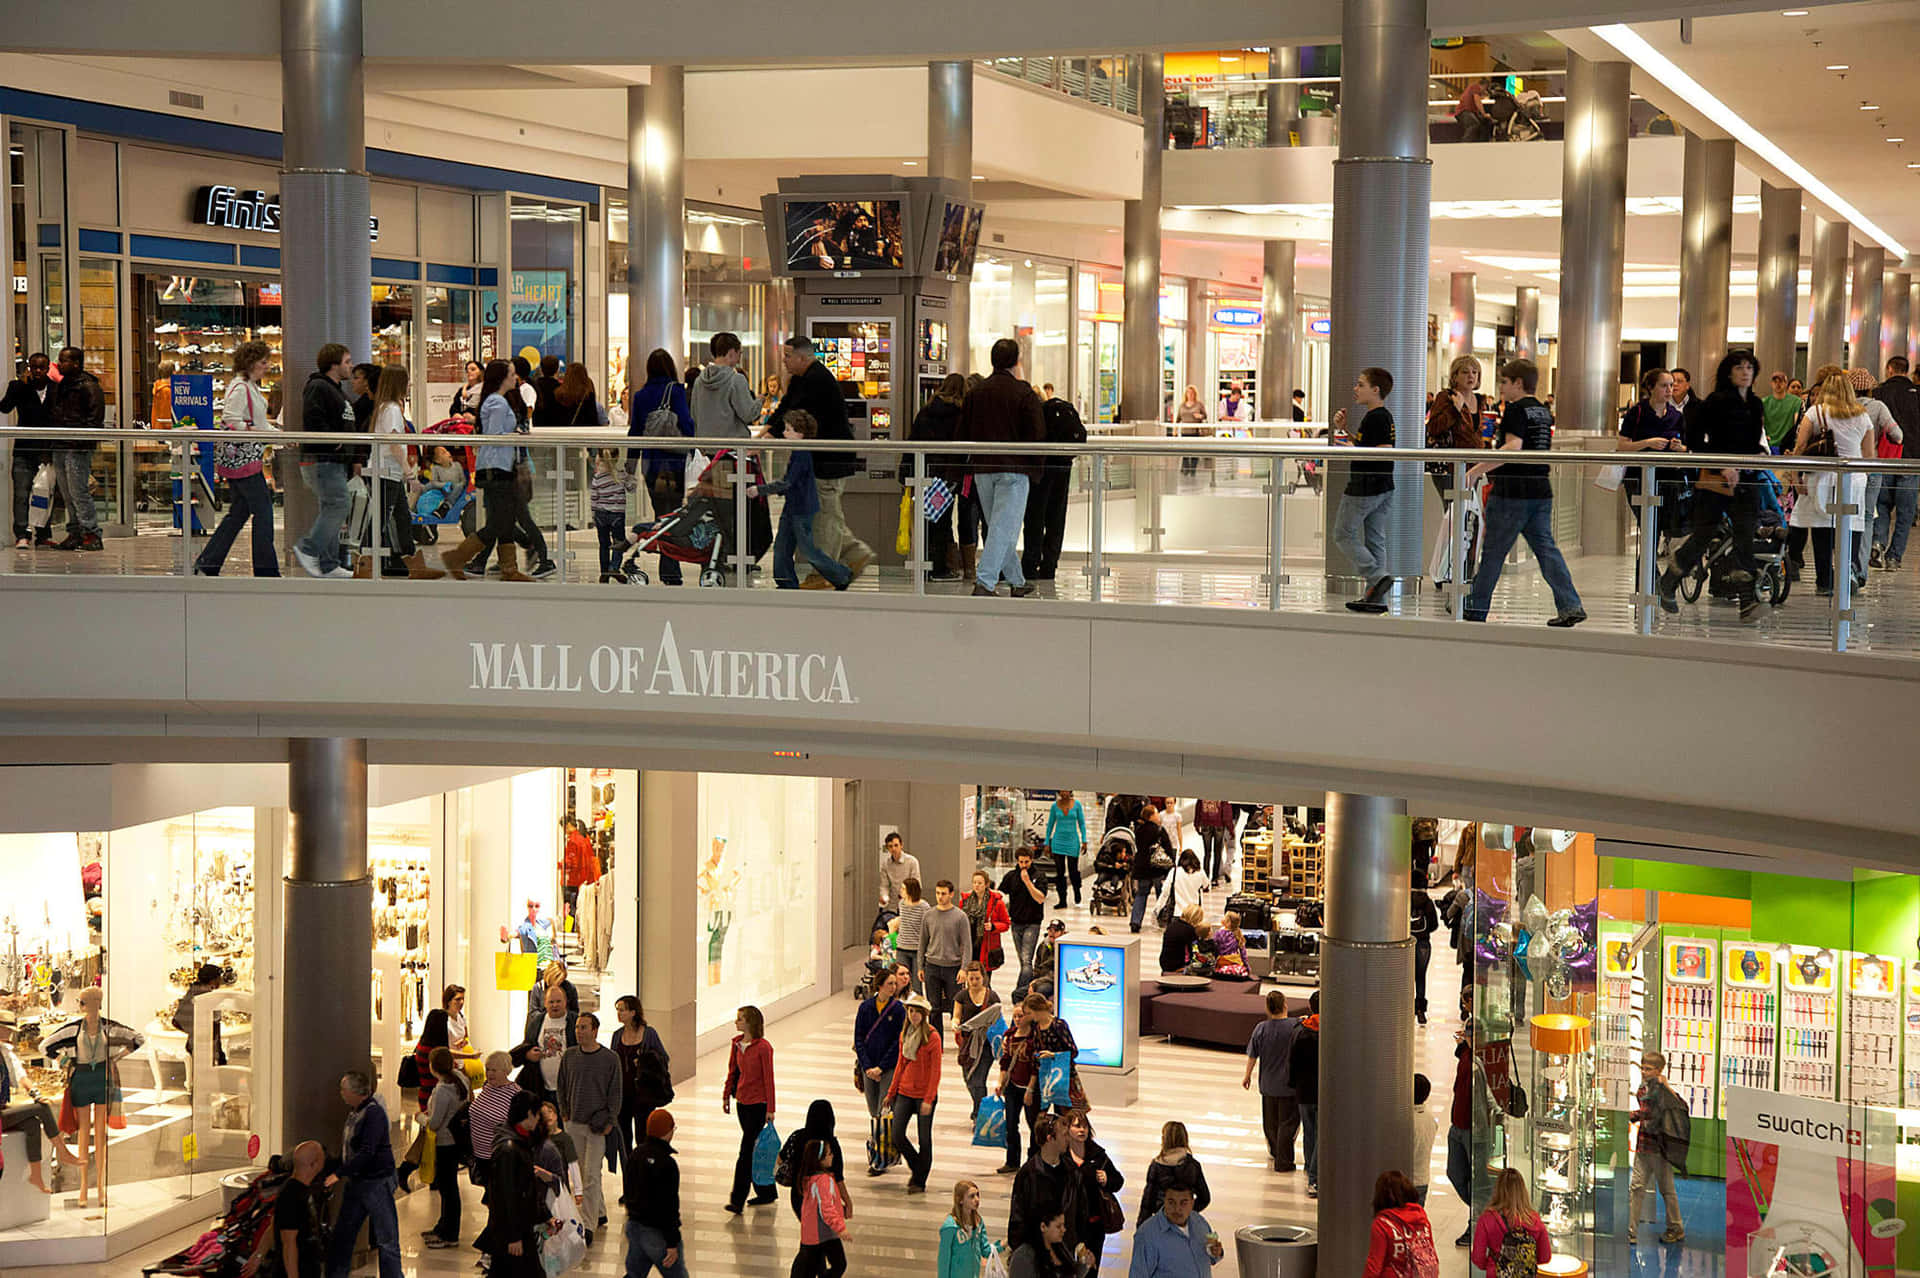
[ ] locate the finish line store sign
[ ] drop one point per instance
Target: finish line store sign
(664, 670)
(236, 210)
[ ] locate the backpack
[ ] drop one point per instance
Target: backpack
(461, 1125)
(1420, 1254)
(788, 1162)
(662, 421)
(1517, 1255)
(1063, 424)
(656, 1084)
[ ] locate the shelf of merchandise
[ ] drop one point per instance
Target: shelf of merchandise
(1809, 1024)
(1620, 1025)
(1750, 1018)
(1563, 1123)
(1872, 1052)
(1689, 1016)
(1306, 867)
(1256, 863)
(1912, 1072)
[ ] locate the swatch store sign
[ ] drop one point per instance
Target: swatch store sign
(232, 209)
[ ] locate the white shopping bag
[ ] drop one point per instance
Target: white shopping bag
(40, 501)
(1609, 478)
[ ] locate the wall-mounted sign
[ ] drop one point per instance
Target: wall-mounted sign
(664, 669)
(1237, 316)
(237, 210)
(1320, 327)
(850, 299)
(20, 284)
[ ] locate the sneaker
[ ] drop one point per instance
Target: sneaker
(338, 574)
(1021, 592)
(945, 574)
(1876, 558)
(543, 570)
(308, 563)
(1892, 564)
(436, 1243)
(1668, 588)
(26, 543)
(1569, 619)
(1674, 1236)
(92, 541)
(73, 542)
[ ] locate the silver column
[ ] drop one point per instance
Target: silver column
(656, 217)
(1913, 327)
(1706, 252)
(1593, 241)
(327, 944)
(1283, 100)
(1827, 327)
(950, 156)
(1382, 194)
(1896, 318)
(1366, 1034)
(1526, 322)
(1460, 307)
(1863, 307)
(1777, 322)
(1140, 326)
(1279, 331)
(326, 251)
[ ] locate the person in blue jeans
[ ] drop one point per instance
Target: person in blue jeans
(797, 514)
(1303, 1074)
(324, 468)
(1521, 504)
(367, 1179)
(1002, 410)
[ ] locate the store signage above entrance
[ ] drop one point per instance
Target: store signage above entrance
(849, 299)
(664, 670)
(1237, 316)
(236, 210)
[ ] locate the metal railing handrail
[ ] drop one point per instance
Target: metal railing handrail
(1108, 446)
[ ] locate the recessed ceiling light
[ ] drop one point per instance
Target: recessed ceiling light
(910, 163)
(1869, 106)
(1793, 13)
(1914, 165)
(1838, 66)
(979, 177)
(1896, 139)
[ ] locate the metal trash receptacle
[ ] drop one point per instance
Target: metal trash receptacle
(235, 1184)
(1277, 1251)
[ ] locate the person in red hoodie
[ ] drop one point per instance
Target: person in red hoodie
(986, 912)
(750, 1083)
(1510, 1238)
(1402, 1244)
(916, 1089)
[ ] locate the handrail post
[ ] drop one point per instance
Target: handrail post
(1462, 580)
(1097, 525)
(1649, 561)
(1843, 561)
(186, 507)
(742, 549)
(1277, 523)
(560, 508)
(376, 515)
(917, 529)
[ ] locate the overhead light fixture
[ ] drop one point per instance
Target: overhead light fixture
(1662, 68)
(1793, 13)
(979, 177)
(1838, 66)
(911, 163)
(1914, 165)
(1869, 106)
(1896, 139)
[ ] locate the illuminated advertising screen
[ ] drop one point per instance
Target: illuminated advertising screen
(826, 236)
(1092, 989)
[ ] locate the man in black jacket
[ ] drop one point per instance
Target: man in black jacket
(30, 398)
(1899, 494)
(811, 386)
(1002, 409)
(652, 1188)
(516, 1199)
(324, 468)
(1046, 522)
(1049, 1183)
(78, 404)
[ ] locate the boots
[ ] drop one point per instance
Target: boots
(510, 563)
(969, 561)
(1375, 598)
(363, 568)
(456, 560)
(417, 569)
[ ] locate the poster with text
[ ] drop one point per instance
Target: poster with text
(1810, 1186)
(1092, 998)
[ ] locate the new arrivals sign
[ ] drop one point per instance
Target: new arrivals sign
(664, 669)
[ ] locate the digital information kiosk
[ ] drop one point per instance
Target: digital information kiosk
(1096, 991)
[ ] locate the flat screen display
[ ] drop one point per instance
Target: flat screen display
(950, 250)
(823, 236)
(971, 244)
(1091, 992)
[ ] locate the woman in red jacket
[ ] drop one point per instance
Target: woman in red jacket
(1402, 1244)
(750, 1083)
(916, 1090)
(986, 911)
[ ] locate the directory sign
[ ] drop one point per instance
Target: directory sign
(1093, 992)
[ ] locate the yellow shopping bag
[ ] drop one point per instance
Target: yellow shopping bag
(427, 1156)
(515, 971)
(903, 540)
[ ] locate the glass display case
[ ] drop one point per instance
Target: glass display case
(1563, 1125)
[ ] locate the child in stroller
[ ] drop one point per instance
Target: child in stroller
(702, 531)
(1112, 865)
(1773, 579)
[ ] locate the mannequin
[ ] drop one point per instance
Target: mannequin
(93, 1048)
(534, 933)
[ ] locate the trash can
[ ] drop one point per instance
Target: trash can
(235, 1184)
(1277, 1251)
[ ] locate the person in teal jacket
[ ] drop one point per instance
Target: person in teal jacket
(1067, 839)
(964, 1248)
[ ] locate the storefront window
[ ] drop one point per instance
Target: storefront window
(450, 344)
(758, 890)
(1024, 298)
(587, 862)
(392, 325)
(546, 264)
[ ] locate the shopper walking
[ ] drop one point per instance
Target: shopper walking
(652, 1195)
(1067, 839)
(1731, 420)
(1360, 529)
(1016, 1080)
(516, 1197)
(749, 1087)
(367, 1176)
(947, 942)
(452, 1094)
(324, 468)
(241, 463)
(549, 1032)
(499, 489)
(646, 1078)
(590, 1097)
(388, 468)
(964, 1244)
(1048, 1255)
(813, 389)
(911, 931)
(1665, 1131)
(1213, 820)
(1654, 424)
(1460, 1129)
(986, 912)
(1003, 409)
(823, 1225)
(976, 1010)
(1425, 921)
(1191, 412)
(799, 515)
(1152, 860)
(1402, 1237)
(1174, 1166)
(818, 1127)
(915, 1090)
(489, 1112)
(1047, 1185)
(30, 399)
(1521, 504)
(1899, 498)
(1303, 1075)
(1781, 412)
(897, 865)
(1270, 1047)
(78, 404)
(1026, 893)
(660, 411)
(1510, 1237)
(937, 422)
(1046, 518)
(877, 1026)
(1100, 1181)
(724, 406)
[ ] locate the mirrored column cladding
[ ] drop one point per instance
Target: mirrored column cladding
(669, 903)
(950, 156)
(1382, 196)
(1140, 281)
(1283, 100)
(1913, 326)
(1526, 322)
(1706, 252)
(1366, 1034)
(1593, 241)
(1279, 330)
(1777, 322)
(1460, 307)
(1896, 318)
(656, 203)
(1827, 329)
(328, 935)
(1863, 307)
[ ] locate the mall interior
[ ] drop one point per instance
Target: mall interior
(1552, 873)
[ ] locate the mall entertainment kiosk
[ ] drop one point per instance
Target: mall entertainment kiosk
(875, 262)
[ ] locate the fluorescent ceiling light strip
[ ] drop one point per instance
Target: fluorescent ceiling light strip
(1663, 69)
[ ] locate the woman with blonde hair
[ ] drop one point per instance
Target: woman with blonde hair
(1453, 421)
(1510, 1231)
(1190, 413)
(1836, 424)
(1229, 939)
(1182, 933)
(964, 1245)
(1173, 1165)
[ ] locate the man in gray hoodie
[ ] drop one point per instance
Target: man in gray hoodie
(723, 404)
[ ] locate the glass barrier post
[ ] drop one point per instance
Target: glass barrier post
(183, 466)
(560, 509)
(916, 508)
(1459, 570)
(1646, 573)
(1277, 524)
(1097, 524)
(1844, 510)
(376, 513)
(742, 547)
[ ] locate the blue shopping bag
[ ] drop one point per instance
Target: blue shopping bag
(766, 1155)
(1056, 1080)
(995, 1033)
(990, 1124)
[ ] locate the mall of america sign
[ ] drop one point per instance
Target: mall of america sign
(664, 670)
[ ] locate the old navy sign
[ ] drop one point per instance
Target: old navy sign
(664, 670)
(1237, 316)
(236, 210)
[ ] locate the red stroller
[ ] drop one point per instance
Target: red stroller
(703, 530)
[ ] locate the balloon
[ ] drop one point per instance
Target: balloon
(1523, 952)
(1534, 915)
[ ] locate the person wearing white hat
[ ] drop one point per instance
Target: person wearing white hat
(22, 1110)
(916, 1088)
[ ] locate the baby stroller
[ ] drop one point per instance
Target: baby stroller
(242, 1245)
(1516, 118)
(1772, 580)
(1112, 873)
(702, 531)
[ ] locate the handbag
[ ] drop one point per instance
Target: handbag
(880, 1151)
(1108, 1215)
(408, 1075)
(514, 971)
(1713, 481)
(1055, 1080)
(903, 539)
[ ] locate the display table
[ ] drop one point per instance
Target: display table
(1170, 981)
(1224, 1012)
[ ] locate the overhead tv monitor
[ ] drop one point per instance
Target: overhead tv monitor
(975, 216)
(845, 234)
(953, 233)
